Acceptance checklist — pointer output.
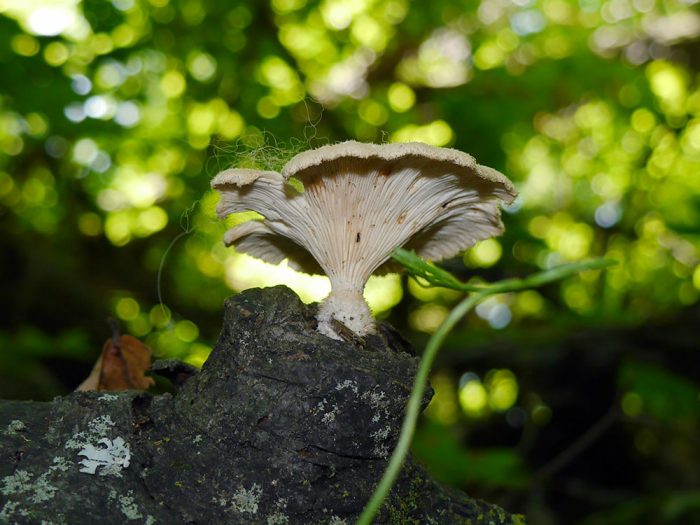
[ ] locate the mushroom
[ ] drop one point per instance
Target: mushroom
(360, 202)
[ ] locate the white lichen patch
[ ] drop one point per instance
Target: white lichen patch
(247, 500)
(15, 427)
(321, 406)
(112, 456)
(97, 429)
(377, 400)
(335, 520)
(375, 397)
(348, 383)
(329, 411)
(108, 397)
(329, 417)
(380, 436)
(197, 439)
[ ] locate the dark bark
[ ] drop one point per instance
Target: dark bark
(281, 426)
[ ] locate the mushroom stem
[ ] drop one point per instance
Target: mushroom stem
(347, 305)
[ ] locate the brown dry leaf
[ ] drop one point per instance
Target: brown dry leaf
(121, 366)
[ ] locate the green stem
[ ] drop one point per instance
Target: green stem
(439, 277)
(413, 408)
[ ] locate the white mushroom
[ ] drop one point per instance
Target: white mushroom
(359, 203)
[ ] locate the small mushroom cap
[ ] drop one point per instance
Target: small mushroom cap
(235, 183)
(397, 155)
(241, 177)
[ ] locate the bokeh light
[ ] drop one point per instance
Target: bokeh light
(115, 115)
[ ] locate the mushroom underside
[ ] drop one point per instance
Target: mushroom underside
(273, 248)
(437, 241)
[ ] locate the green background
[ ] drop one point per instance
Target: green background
(576, 403)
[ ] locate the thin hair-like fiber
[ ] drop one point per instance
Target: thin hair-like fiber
(187, 229)
(257, 149)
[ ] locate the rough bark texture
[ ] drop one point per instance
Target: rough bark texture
(281, 426)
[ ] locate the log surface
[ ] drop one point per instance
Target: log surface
(281, 426)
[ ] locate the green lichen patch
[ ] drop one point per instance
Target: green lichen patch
(247, 500)
(15, 427)
(10, 509)
(35, 489)
(17, 483)
(30, 489)
(128, 506)
(277, 518)
(97, 429)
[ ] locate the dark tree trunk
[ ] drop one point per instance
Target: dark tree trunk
(281, 426)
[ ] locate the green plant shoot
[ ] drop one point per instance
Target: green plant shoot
(435, 276)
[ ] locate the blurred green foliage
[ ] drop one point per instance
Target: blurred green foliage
(115, 114)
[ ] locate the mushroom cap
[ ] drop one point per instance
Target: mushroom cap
(240, 177)
(308, 163)
(361, 201)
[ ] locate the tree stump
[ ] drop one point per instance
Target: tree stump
(282, 425)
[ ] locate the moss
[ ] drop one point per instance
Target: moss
(402, 511)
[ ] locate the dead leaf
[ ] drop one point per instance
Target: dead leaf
(121, 366)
